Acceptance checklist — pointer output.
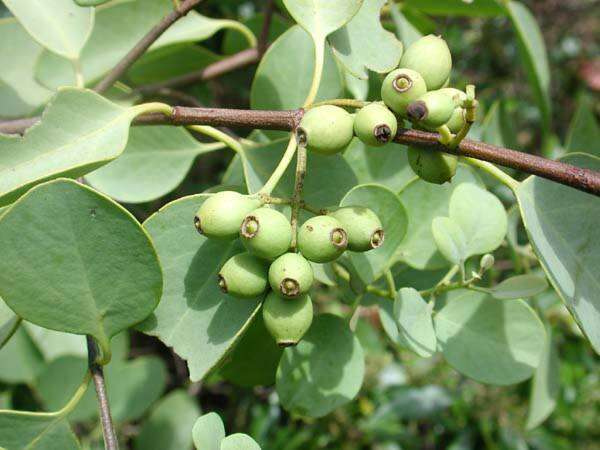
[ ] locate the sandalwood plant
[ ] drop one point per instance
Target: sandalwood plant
(360, 186)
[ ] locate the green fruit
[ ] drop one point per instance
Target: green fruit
(326, 129)
(431, 110)
(322, 239)
(291, 275)
(457, 120)
(287, 320)
(221, 214)
(430, 56)
(267, 233)
(243, 276)
(375, 125)
(364, 228)
(400, 88)
(432, 166)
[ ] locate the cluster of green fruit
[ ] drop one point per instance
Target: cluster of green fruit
(266, 235)
(417, 92)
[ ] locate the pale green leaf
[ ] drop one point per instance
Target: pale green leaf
(322, 17)
(239, 441)
(562, 224)
(9, 322)
(324, 371)
(59, 25)
(283, 77)
(405, 30)
(477, 8)
(169, 426)
(35, 431)
(77, 262)
(489, 340)
(418, 248)
(545, 386)
(450, 239)
(535, 59)
(79, 132)
(194, 317)
(359, 89)
(20, 93)
(414, 322)
(208, 432)
(54, 344)
(20, 359)
(154, 162)
(519, 286)
(363, 44)
(387, 165)
(371, 265)
(584, 132)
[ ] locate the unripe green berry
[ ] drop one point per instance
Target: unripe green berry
(287, 320)
(430, 56)
(375, 125)
(364, 228)
(431, 110)
(322, 239)
(221, 214)
(487, 262)
(326, 129)
(457, 120)
(432, 166)
(243, 276)
(291, 275)
(400, 88)
(267, 233)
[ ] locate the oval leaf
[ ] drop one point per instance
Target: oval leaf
(324, 371)
(77, 262)
(208, 432)
(489, 340)
(372, 264)
(322, 17)
(59, 25)
(562, 225)
(414, 322)
(239, 441)
(194, 317)
(520, 286)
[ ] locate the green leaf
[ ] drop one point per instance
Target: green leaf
(208, 432)
(35, 431)
(84, 265)
(59, 25)
(545, 386)
(239, 441)
(93, 131)
(234, 42)
(363, 44)
(54, 344)
(387, 165)
(118, 27)
(520, 286)
(476, 8)
(20, 359)
(562, 224)
(489, 340)
(154, 162)
(194, 317)
(584, 132)
(415, 325)
(322, 17)
(372, 265)
(418, 249)
(169, 425)
(9, 322)
(534, 56)
(283, 77)
(260, 161)
(477, 224)
(405, 30)
(324, 371)
(21, 94)
(254, 359)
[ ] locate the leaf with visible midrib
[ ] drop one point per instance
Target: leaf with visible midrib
(35, 431)
(562, 224)
(79, 132)
(194, 317)
(75, 261)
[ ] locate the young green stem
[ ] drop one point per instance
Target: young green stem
(494, 171)
(347, 102)
(317, 73)
(219, 136)
(275, 177)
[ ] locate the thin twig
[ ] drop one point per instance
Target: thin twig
(108, 429)
(298, 187)
(144, 44)
(585, 180)
(263, 39)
